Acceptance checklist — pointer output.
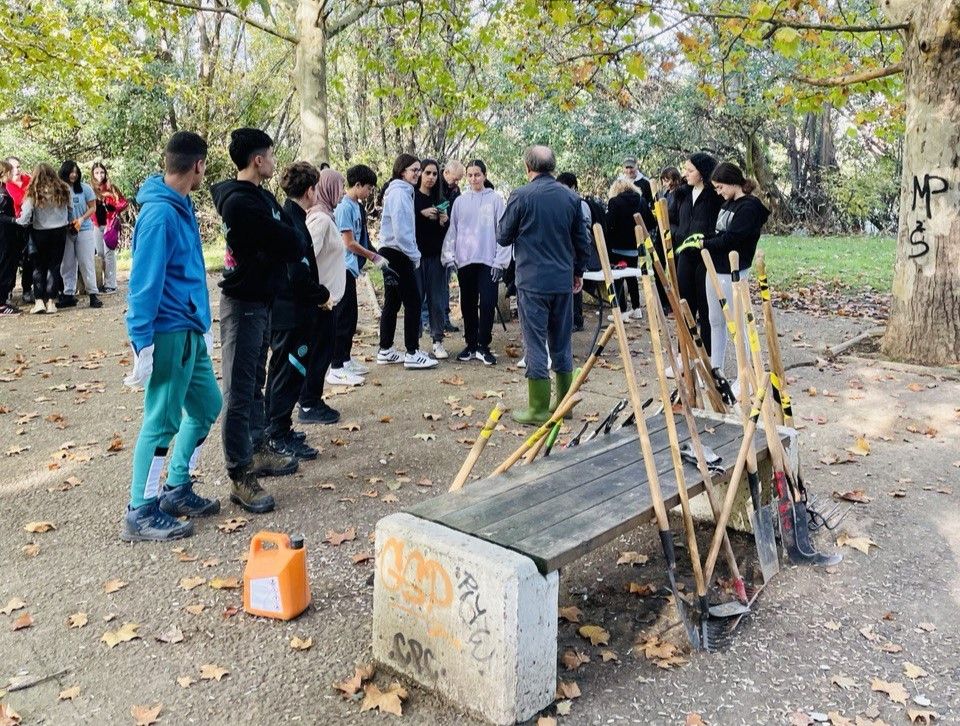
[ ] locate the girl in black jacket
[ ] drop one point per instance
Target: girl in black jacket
(739, 224)
(697, 206)
(625, 201)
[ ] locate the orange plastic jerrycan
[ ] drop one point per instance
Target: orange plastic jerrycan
(275, 578)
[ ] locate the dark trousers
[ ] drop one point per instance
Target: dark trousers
(14, 244)
(49, 243)
(578, 310)
(289, 357)
(245, 340)
(546, 319)
(26, 264)
(691, 279)
(478, 300)
(631, 283)
(435, 290)
(405, 292)
(320, 342)
(346, 315)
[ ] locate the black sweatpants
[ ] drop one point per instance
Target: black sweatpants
(47, 282)
(692, 277)
(478, 300)
(406, 293)
(320, 343)
(631, 282)
(346, 315)
(14, 244)
(289, 357)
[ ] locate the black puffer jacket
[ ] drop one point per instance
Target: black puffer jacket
(738, 229)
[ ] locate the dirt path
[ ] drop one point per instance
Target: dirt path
(64, 404)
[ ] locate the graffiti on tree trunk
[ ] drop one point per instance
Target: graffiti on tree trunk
(923, 193)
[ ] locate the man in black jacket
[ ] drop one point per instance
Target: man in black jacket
(260, 242)
(301, 305)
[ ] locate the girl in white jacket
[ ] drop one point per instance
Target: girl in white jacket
(471, 246)
(398, 243)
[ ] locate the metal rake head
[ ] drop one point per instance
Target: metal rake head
(825, 514)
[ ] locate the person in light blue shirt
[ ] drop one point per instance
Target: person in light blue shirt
(81, 246)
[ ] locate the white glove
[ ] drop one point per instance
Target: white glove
(142, 367)
(208, 340)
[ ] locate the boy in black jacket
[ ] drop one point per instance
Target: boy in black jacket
(260, 242)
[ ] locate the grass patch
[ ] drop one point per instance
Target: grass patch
(212, 257)
(856, 263)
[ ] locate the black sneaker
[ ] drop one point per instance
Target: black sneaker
(95, 302)
(321, 414)
(467, 354)
(67, 301)
(288, 446)
(298, 435)
(451, 328)
(270, 463)
(151, 524)
(488, 358)
(182, 501)
(246, 492)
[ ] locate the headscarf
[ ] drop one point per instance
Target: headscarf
(330, 190)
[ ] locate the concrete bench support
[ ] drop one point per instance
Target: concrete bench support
(475, 622)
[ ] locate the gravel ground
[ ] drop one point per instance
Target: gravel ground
(64, 404)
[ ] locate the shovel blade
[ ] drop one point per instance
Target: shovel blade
(766, 540)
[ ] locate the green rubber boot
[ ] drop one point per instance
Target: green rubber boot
(538, 410)
(563, 385)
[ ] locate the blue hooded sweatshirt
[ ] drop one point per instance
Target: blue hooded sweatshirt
(168, 280)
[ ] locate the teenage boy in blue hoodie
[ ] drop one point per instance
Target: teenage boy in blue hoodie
(168, 321)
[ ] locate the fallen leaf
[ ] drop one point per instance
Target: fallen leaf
(799, 718)
(573, 659)
(844, 682)
(39, 527)
(632, 558)
(860, 446)
(13, 603)
(195, 608)
(17, 450)
(233, 524)
(297, 643)
(895, 691)
(127, 632)
(211, 672)
(832, 625)
(24, 621)
(595, 634)
(858, 543)
(917, 716)
(8, 717)
(388, 701)
(361, 557)
(927, 627)
(229, 611)
(571, 613)
(453, 381)
(389, 499)
(567, 689)
(77, 620)
(432, 416)
(31, 550)
(425, 437)
(858, 496)
(838, 719)
(69, 694)
(173, 635)
(225, 583)
(694, 719)
(112, 586)
(891, 648)
(349, 426)
(353, 684)
(116, 443)
(867, 632)
(185, 681)
(188, 583)
(609, 655)
(913, 671)
(643, 590)
(145, 715)
(335, 539)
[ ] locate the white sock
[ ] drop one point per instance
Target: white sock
(152, 488)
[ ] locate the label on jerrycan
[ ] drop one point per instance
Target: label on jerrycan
(265, 594)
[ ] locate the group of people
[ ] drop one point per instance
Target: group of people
(53, 227)
(288, 295)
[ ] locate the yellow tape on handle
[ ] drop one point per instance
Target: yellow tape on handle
(752, 334)
(764, 287)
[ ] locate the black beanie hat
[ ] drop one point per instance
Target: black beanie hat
(704, 163)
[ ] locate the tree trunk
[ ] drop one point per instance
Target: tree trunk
(924, 325)
(311, 82)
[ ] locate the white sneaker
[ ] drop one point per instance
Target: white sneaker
(356, 368)
(668, 372)
(522, 363)
(439, 352)
(38, 307)
(419, 361)
(51, 306)
(637, 315)
(624, 316)
(342, 377)
(735, 387)
(390, 355)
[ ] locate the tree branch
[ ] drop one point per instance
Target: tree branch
(801, 25)
(852, 78)
(361, 9)
(238, 15)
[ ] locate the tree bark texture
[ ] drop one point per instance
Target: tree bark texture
(311, 82)
(924, 325)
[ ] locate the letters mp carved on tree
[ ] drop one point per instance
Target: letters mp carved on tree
(924, 193)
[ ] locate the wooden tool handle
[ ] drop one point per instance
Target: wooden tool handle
(482, 438)
(562, 410)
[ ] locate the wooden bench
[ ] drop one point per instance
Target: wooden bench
(451, 560)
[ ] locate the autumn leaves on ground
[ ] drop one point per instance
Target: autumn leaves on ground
(96, 631)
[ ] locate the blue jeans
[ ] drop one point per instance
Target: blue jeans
(435, 291)
(546, 317)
